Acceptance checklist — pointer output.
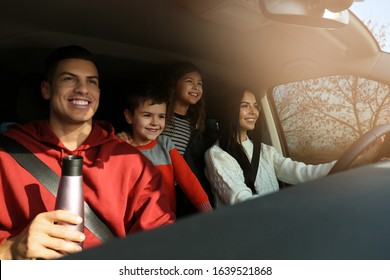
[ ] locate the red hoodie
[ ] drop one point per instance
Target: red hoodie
(120, 184)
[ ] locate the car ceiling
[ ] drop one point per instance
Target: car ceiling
(127, 33)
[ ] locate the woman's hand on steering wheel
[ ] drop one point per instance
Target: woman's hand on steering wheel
(371, 154)
(366, 149)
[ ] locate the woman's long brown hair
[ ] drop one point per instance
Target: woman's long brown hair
(230, 141)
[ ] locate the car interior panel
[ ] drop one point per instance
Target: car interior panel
(291, 53)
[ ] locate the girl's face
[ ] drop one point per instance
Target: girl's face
(249, 112)
(189, 88)
(148, 122)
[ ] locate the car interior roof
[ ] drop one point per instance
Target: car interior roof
(133, 36)
(170, 29)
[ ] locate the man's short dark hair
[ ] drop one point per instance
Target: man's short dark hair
(66, 52)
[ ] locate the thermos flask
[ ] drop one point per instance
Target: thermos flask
(70, 194)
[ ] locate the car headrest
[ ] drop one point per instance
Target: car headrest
(30, 103)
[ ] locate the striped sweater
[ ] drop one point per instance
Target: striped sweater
(179, 130)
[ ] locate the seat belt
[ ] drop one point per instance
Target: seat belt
(255, 159)
(49, 179)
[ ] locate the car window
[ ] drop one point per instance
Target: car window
(322, 117)
(374, 14)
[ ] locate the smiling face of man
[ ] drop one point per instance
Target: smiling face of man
(73, 93)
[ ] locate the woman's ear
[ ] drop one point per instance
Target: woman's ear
(128, 116)
(45, 90)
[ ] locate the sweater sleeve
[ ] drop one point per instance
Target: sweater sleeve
(294, 172)
(189, 182)
(226, 176)
(151, 206)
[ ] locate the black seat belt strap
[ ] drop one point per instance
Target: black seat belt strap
(49, 179)
(255, 159)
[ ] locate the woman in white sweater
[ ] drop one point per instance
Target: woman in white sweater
(240, 167)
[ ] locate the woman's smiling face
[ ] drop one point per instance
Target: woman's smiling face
(249, 112)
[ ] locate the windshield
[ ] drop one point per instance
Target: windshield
(375, 15)
(322, 117)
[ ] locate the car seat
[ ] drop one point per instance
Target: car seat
(30, 104)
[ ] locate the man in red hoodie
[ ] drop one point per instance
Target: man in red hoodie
(120, 185)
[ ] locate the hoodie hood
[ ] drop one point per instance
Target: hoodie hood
(102, 132)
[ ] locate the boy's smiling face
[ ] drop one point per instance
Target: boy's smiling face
(148, 122)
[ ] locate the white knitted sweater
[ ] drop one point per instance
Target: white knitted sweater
(227, 178)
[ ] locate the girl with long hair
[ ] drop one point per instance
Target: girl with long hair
(187, 109)
(186, 125)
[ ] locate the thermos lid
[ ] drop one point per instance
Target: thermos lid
(72, 166)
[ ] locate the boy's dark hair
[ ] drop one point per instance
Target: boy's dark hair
(140, 93)
(73, 51)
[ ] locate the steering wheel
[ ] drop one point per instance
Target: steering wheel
(358, 147)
